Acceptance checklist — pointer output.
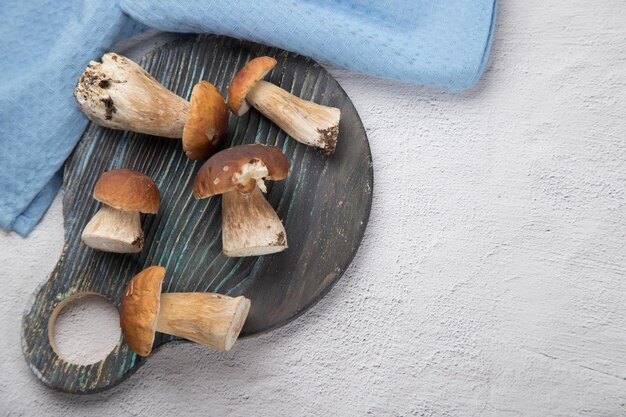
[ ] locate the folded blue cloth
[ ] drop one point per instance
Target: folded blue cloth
(47, 44)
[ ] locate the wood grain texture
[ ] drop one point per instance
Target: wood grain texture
(324, 204)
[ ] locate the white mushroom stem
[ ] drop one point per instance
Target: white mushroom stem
(113, 230)
(250, 226)
(212, 320)
(305, 121)
(119, 94)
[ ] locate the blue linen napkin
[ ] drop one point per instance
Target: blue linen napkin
(47, 44)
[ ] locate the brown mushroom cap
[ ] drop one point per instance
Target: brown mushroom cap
(140, 309)
(129, 190)
(207, 121)
(244, 80)
(223, 171)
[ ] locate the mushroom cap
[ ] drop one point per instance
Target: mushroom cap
(238, 168)
(244, 80)
(128, 190)
(140, 309)
(207, 121)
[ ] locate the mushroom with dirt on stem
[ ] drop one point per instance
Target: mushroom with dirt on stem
(307, 122)
(210, 319)
(116, 227)
(250, 226)
(119, 94)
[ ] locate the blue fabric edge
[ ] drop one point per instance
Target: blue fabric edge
(26, 222)
(487, 50)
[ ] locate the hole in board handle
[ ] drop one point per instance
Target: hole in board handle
(84, 328)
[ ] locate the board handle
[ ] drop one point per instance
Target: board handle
(40, 351)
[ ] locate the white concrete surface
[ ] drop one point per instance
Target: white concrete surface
(492, 278)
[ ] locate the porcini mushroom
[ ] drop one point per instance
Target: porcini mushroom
(210, 319)
(250, 226)
(119, 94)
(305, 121)
(116, 227)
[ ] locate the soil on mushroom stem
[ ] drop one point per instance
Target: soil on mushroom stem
(329, 138)
(109, 107)
(280, 239)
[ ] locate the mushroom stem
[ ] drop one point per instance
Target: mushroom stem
(119, 94)
(250, 226)
(212, 320)
(113, 230)
(305, 121)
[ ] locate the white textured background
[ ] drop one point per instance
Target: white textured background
(492, 277)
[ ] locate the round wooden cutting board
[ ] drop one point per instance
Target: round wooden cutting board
(324, 203)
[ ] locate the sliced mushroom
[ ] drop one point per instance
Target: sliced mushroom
(116, 227)
(250, 226)
(305, 121)
(210, 319)
(119, 94)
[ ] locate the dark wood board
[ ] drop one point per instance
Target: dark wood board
(324, 203)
